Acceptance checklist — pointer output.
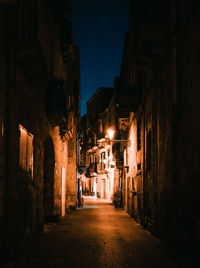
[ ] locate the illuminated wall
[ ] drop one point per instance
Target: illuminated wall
(39, 135)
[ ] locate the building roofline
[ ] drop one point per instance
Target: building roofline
(97, 93)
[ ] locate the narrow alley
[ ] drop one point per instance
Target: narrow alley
(97, 235)
(99, 133)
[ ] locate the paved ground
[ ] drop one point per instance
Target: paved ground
(97, 235)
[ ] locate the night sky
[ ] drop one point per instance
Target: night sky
(99, 28)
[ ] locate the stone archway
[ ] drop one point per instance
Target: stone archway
(48, 173)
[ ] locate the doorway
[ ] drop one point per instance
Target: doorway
(103, 188)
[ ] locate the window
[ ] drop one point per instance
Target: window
(139, 166)
(95, 164)
(138, 134)
(103, 156)
(109, 159)
(26, 150)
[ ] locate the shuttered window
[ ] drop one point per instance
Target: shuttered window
(26, 150)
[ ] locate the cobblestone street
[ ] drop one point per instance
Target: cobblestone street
(97, 235)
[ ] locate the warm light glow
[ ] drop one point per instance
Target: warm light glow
(110, 133)
(112, 163)
(2, 130)
(22, 129)
(26, 150)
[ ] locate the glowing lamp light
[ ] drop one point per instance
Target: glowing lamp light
(112, 163)
(110, 133)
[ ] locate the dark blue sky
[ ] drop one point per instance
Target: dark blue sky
(100, 35)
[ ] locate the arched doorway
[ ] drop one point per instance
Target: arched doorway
(48, 186)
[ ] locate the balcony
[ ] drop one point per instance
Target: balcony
(56, 108)
(56, 97)
(81, 165)
(128, 100)
(119, 160)
(92, 170)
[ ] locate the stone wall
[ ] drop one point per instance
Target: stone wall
(168, 111)
(187, 130)
(32, 58)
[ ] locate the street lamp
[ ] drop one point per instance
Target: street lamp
(109, 138)
(110, 133)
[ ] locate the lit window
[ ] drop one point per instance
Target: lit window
(26, 150)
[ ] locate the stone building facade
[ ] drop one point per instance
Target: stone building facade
(98, 178)
(39, 111)
(102, 155)
(161, 66)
